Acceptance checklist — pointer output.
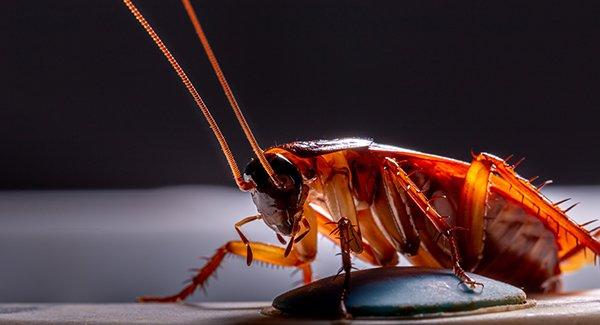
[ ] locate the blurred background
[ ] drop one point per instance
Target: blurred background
(112, 183)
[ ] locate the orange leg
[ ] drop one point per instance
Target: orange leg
(265, 253)
(403, 183)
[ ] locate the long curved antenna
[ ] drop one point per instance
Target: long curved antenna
(234, 105)
(241, 183)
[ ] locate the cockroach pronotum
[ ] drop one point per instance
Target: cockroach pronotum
(376, 201)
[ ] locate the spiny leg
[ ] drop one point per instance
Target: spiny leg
(348, 238)
(265, 253)
(327, 228)
(402, 181)
(338, 197)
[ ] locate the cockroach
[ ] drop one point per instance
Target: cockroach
(376, 201)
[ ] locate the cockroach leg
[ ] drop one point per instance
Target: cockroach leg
(306, 225)
(337, 192)
(245, 240)
(265, 253)
(346, 236)
(402, 180)
(348, 240)
(456, 268)
(393, 204)
(341, 233)
(329, 229)
(280, 239)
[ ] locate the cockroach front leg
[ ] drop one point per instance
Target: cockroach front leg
(266, 253)
(262, 252)
(402, 182)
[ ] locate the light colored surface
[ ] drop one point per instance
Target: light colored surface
(113, 245)
(583, 308)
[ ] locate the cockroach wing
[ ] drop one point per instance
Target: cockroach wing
(314, 148)
(429, 163)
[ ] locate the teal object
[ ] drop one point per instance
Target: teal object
(397, 292)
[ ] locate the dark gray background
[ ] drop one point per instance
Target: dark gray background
(87, 100)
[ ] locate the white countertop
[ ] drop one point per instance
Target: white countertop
(582, 308)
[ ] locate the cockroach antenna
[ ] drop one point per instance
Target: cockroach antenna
(227, 90)
(237, 175)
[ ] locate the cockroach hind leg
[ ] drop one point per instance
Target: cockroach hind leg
(465, 281)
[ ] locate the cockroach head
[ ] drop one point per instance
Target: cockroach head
(279, 205)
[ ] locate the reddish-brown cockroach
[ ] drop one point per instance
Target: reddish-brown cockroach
(376, 201)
